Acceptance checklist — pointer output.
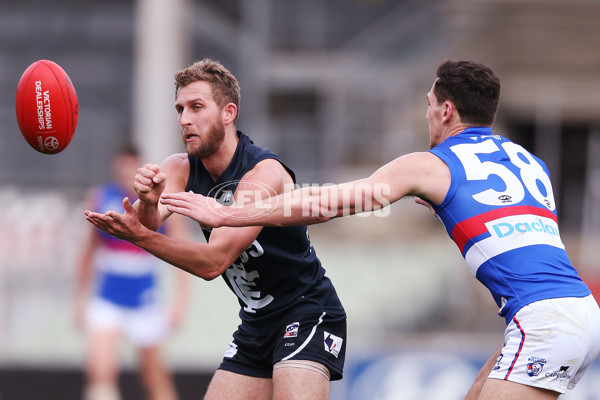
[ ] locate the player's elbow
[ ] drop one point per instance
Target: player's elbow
(211, 273)
(209, 276)
(214, 270)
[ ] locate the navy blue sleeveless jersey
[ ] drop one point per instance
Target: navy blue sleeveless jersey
(280, 269)
(500, 212)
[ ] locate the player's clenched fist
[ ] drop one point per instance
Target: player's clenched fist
(149, 183)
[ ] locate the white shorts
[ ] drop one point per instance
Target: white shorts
(550, 343)
(143, 327)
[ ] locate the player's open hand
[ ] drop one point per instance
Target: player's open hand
(205, 210)
(149, 183)
(125, 226)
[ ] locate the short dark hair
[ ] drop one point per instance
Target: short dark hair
(472, 87)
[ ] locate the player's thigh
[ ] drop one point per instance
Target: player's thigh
(499, 389)
(103, 363)
(226, 385)
(299, 384)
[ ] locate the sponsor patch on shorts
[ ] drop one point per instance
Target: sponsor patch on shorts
(333, 344)
(291, 330)
(535, 366)
(561, 373)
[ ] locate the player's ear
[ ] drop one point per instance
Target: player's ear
(448, 110)
(229, 113)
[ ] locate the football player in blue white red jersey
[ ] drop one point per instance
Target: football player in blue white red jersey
(496, 202)
(118, 295)
(292, 339)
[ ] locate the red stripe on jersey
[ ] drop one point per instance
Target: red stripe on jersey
(512, 365)
(474, 226)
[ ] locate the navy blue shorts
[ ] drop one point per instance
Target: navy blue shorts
(320, 338)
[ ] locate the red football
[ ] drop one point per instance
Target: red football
(47, 107)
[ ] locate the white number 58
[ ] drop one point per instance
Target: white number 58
(531, 173)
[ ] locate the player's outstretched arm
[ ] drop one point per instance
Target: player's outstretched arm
(419, 174)
(205, 260)
(304, 206)
(205, 210)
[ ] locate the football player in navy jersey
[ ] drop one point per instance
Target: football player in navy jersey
(292, 339)
(496, 202)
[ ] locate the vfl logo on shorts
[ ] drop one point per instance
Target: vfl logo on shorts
(333, 344)
(291, 330)
(535, 366)
(498, 361)
(231, 351)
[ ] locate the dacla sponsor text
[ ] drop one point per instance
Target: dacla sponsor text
(44, 111)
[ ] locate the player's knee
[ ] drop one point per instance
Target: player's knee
(101, 392)
(101, 375)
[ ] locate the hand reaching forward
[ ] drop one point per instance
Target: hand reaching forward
(149, 183)
(125, 226)
(205, 210)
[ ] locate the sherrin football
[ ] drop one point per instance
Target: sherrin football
(47, 107)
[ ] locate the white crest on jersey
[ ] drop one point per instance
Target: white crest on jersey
(243, 282)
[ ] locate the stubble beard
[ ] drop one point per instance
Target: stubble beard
(207, 148)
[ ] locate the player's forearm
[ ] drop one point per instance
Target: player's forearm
(149, 215)
(305, 206)
(189, 256)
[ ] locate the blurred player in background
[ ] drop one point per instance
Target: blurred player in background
(292, 339)
(496, 202)
(117, 294)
